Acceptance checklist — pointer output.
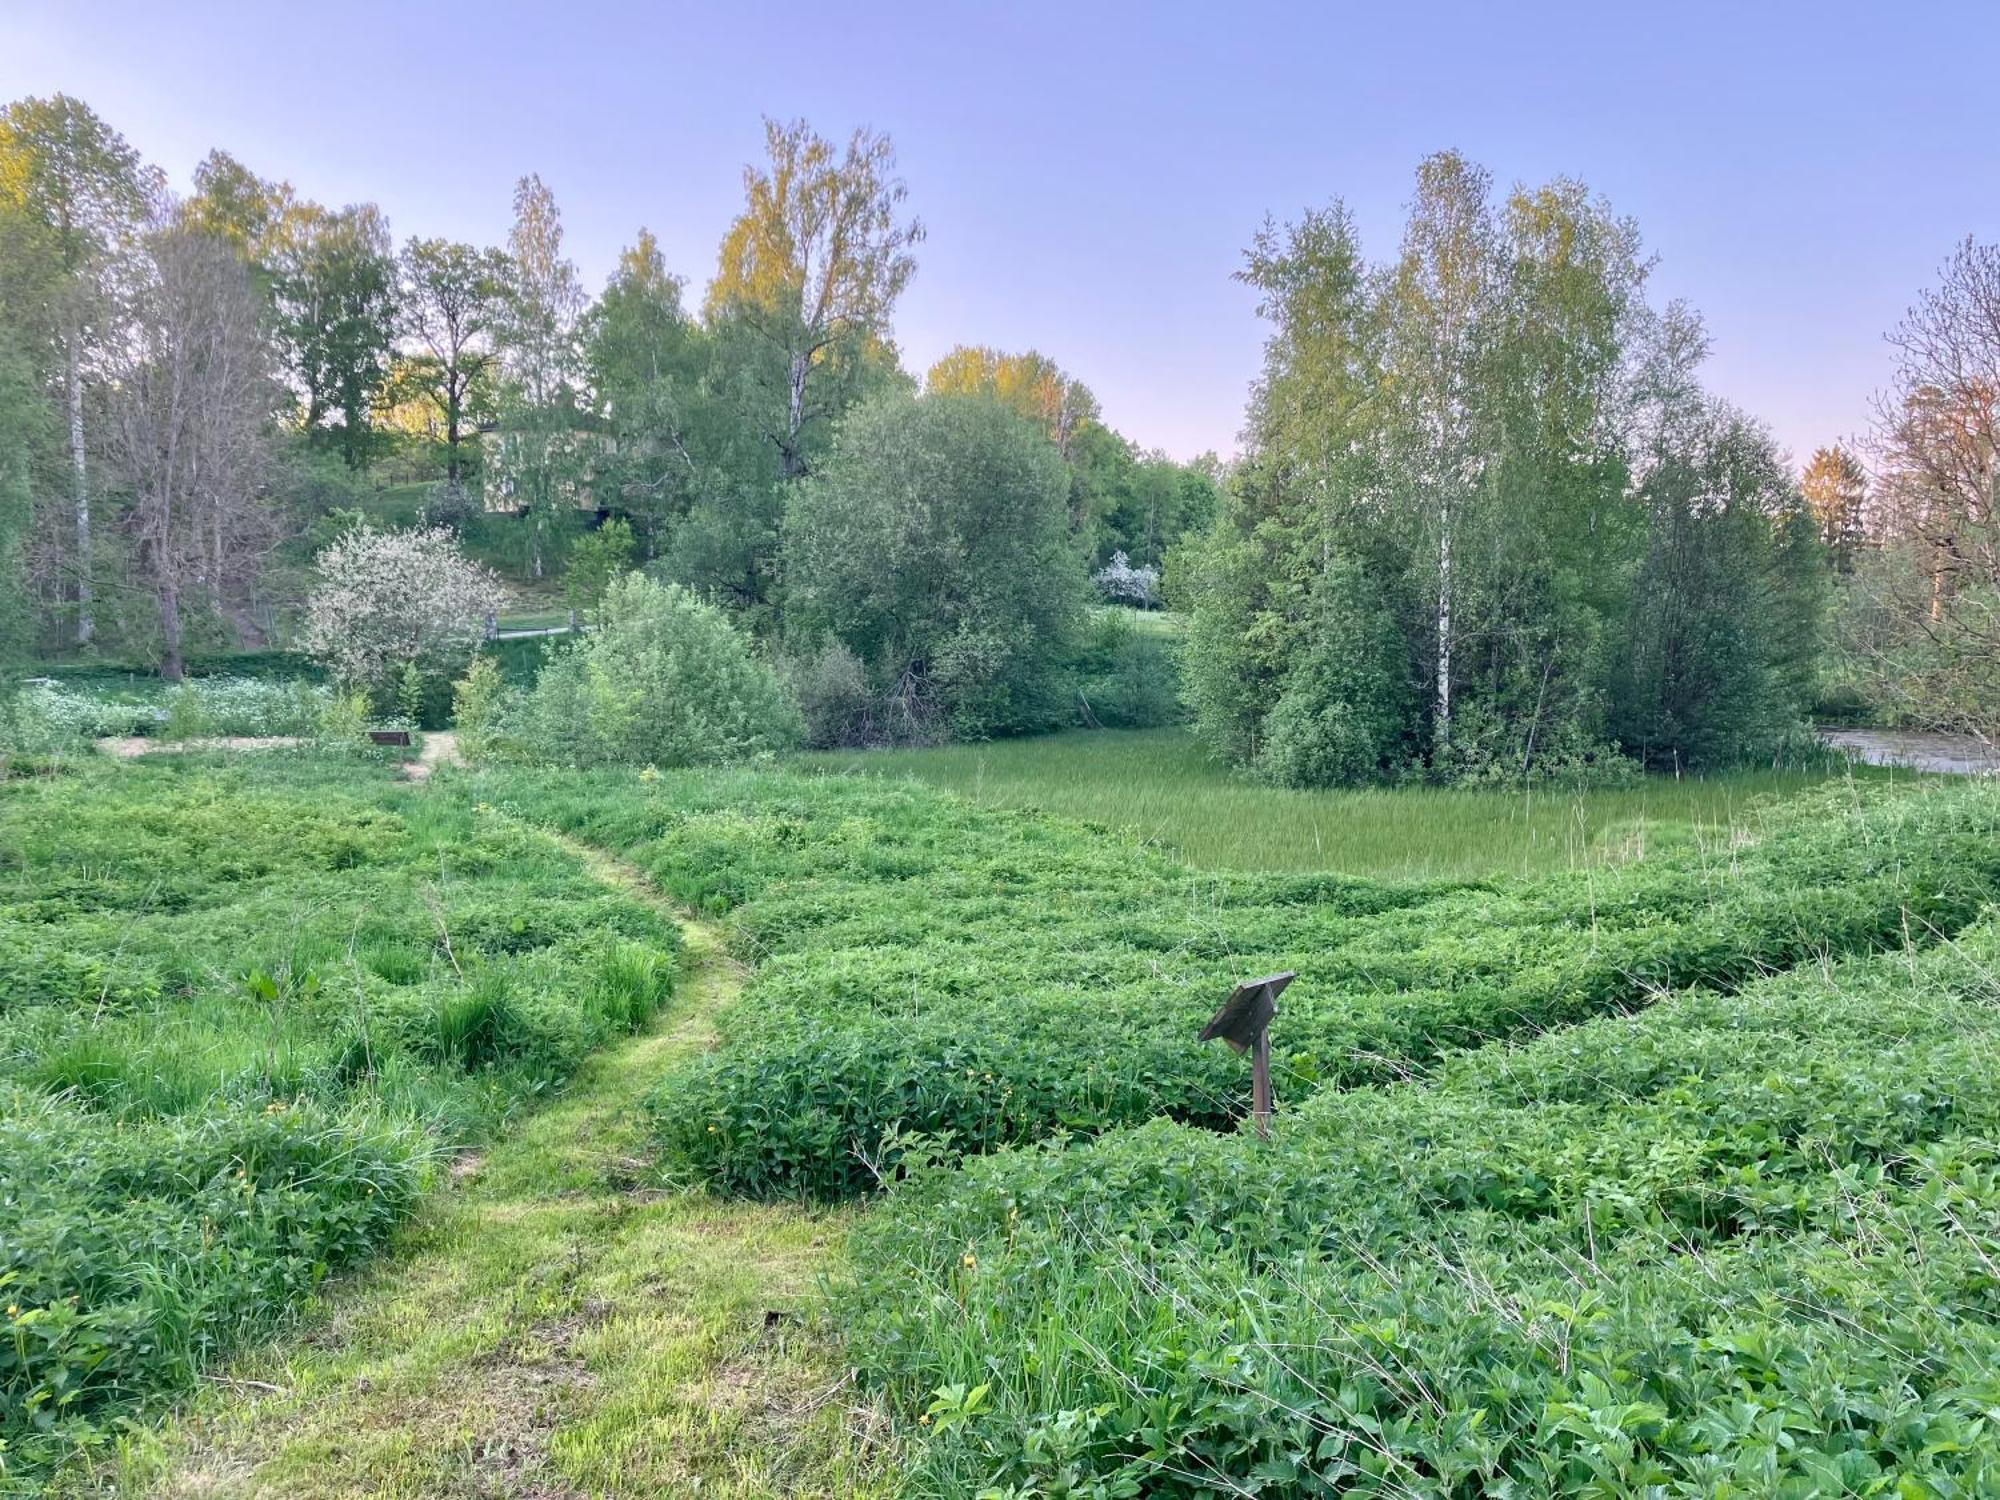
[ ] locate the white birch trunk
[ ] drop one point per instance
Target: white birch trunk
(80, 483)
(1442, 712)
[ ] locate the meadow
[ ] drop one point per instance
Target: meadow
(1162, 787)
(252, 1010)
(1668, 1173)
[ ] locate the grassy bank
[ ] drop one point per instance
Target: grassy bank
(1161, 787)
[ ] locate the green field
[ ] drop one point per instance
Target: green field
(1161, 786)
(250, 1012)
(1671, 1175)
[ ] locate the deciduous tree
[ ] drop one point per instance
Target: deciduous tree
(192, 409)
(79, 182)
(450, 299)
(545, 446)
(814, 265)
(334, 279)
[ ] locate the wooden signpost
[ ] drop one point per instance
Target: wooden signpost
(1244, 1022)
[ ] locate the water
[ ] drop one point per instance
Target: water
(1954, 754)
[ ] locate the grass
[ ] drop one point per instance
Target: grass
(1531, 1222)
(1161, 786)
(561, 1323)
(250, 1006)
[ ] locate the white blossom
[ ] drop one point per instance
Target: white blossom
(389, 597)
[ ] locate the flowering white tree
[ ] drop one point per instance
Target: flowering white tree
(388, 598)
(1122, 583)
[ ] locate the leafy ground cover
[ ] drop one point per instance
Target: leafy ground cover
(983, 978)
(1162, 787)
(558, 1322)
(249, 1011)
(1737, 1244)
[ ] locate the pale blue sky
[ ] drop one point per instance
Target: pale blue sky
(1090, 173)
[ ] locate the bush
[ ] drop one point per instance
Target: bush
(389, 598)
(1346, 700)
(665, 680)
(1128, 678)
(478, 700)
(934, 543)
(1121, 583)
(831, 688)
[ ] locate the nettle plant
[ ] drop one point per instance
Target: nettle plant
(388, 599)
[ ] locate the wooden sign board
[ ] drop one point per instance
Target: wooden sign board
(1247, 1011)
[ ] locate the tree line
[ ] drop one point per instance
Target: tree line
(1486, 524)
(198, 390)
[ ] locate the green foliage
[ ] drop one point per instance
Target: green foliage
(597, 559)
(912, 946)
(1128, 675)
(933, 544)
(1720, 645)
(248, 1010)
(664, 680)
(1554, 538)
(831, 689)
(477, 700)
(1346, 704)
(1736, 1243)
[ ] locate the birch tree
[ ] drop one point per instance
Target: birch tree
(814, 264)
(1440, 299)
(82, 184)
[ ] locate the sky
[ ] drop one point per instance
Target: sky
(1090, 173)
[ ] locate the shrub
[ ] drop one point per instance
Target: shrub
(478, 700)
(388, 598)
(1121, 583)
(831, 688)
(934, 543)
(1340, 717)
(665, 680)
(1128, 678)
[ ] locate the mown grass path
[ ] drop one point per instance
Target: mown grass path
(558, 1322)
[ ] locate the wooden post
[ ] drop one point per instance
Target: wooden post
(1260, 1083)
(1245, 1023)
(492, 625)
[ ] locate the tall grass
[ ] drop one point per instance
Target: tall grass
(1162, 788)
(247, 1007)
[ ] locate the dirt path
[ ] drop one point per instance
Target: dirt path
(560, 1322)
(439, 749)
(130, 747)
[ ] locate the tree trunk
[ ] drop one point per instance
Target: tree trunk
(86, 624)
(795, 415)
(451, 443)
(1441, 714)
(171, 666)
